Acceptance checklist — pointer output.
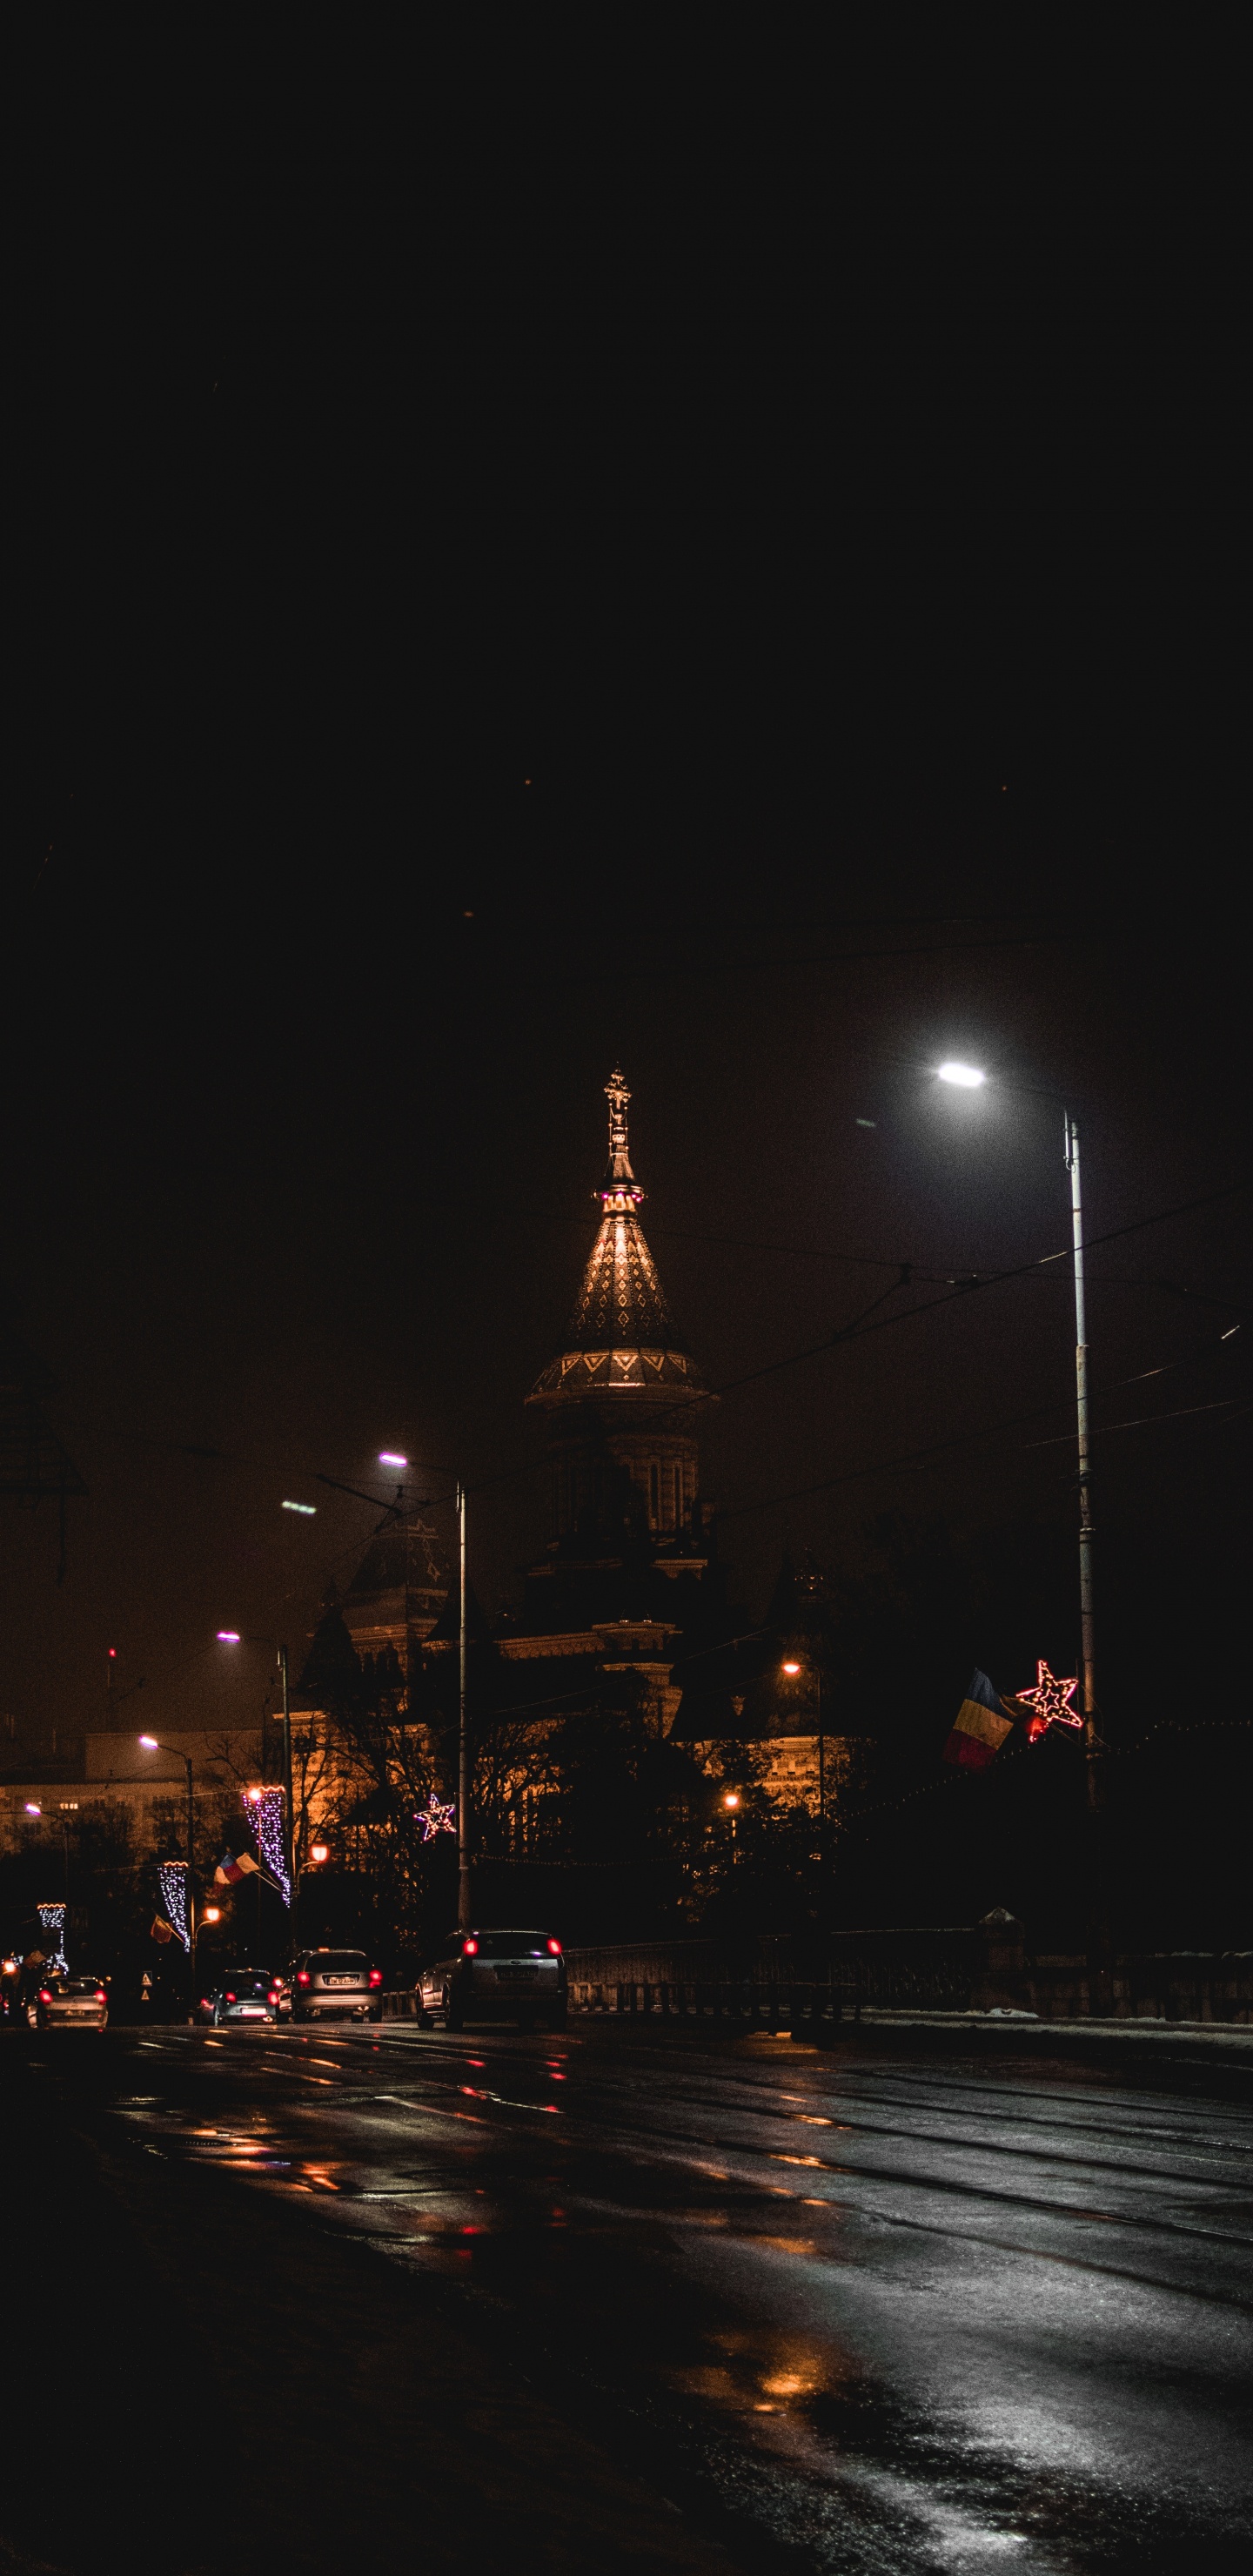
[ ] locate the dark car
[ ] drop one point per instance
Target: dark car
(335, 1985)
(241, 1994)
(490, 1975)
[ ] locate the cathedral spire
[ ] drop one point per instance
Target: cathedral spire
(621, 1337)
(621, 1189)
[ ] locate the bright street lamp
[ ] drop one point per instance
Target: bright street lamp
(1098, 1966)
(792, 1665)
(152, 1744)
(966, 1076)
(232, 1637)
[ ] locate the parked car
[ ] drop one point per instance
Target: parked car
(336, 1985)
(490, 1975)
(69, 2003)
(241, 1994)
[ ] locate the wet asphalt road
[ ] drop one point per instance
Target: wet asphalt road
(868, 2312)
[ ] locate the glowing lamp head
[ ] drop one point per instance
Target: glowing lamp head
(228, 1636)
(967, 1077)
(213, 1914)
(32, 1809)
(791, 1668)
(392, 1458)
(731, 1799)
(150, 1744)
(320, 1852)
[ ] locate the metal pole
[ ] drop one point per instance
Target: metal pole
(463, 1754)
(822, 1814)
(1100, 1996)
(288, 1835)
(191, 1898)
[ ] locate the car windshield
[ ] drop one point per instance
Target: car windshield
(512, 1945)
(338, 1963)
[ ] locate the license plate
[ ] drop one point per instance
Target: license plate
(340, 1981)
(251, 2012)
(512, 1976)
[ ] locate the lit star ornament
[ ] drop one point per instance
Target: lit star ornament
(1049, 1703)
(434, 1820)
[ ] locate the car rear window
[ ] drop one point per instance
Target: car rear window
(513, 1945)
(253, 1981)
(337, 1963)
(75, 1986)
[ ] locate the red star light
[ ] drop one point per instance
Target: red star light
(1049, 1703)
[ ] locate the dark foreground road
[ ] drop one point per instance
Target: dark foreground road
(627, 2300)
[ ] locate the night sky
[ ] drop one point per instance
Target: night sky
(435, 697)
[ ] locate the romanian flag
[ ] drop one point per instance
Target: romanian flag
(980, 1726)
(161, 1930)
(229, 1872)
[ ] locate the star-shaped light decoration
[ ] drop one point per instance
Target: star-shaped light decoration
(1049, 1703)
(434, 1819)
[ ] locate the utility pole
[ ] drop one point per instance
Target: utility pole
(1100, 1987)
(463, 1751)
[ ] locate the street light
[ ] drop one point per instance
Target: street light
(968, 1076)
(792, 1666)
(151, 1744)
(232, 1637)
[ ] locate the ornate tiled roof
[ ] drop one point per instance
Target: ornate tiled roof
(621, 1333)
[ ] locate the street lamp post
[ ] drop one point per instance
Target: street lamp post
(792, 1668)
(1100, 1992)
(232, 1637)
(464, 1914)
(151, 1744)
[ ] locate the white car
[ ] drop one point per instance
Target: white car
(489, 1975)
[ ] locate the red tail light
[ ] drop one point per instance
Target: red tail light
(555, 1947)
(376, 1976)
(44, 1996)
(101, 1996)
(230, 1998)
(302, 1976)
(469, 1949)
(272, 1997)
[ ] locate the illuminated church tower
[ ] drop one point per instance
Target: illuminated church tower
(628, 1551)
(622, 1393)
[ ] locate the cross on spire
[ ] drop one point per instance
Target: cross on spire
(621, 1190)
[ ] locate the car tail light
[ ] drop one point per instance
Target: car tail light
(376, 1976)
(44, 1996)
(302, 1976)
(231, 1998)
(205, 2005)
(272, 1997)
(469, 1949)
(555, 1949)
(101, 1996)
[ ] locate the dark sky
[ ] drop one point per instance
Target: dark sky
(880, 696)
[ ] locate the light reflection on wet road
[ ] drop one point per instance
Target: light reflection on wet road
(898, 2314)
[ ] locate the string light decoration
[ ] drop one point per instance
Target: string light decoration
(264, 1810)
(172, 1881)
(1049, 1703)
(434, 1819)
(52, 1919)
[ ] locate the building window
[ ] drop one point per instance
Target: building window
(678, 1496)
(654, 1495)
